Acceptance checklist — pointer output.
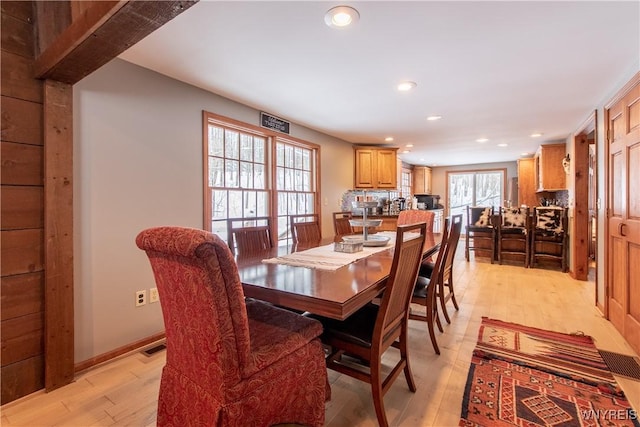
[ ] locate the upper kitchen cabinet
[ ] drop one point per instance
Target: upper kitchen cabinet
(421, 180)
(527, 186)
(549, 173)
(376, 168)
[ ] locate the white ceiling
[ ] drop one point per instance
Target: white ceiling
(500, 70)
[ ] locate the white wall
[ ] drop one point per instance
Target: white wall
(138, 164)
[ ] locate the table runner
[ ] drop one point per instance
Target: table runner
(325, 258)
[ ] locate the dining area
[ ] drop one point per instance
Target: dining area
(295, 313)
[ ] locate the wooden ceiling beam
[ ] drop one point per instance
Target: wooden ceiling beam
(101, 33)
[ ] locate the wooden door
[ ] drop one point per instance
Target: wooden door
(623, 212)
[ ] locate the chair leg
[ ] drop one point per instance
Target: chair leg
(376, 391)
(466, 246)
(452, 293)
(432, 335)
(493, 245)
(407, 368)
(443, 303)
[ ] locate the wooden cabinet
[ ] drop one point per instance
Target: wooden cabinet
(421, 180)
(550, 175)
(527, 186)
(376, 168)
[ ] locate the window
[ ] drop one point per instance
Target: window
(295, 181)
(239, 183)
(475, 188)
(405, 186)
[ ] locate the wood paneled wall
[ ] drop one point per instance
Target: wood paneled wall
(22, 216)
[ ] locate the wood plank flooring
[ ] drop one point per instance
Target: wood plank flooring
(124, 392)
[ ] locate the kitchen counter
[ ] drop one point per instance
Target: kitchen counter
(390, 222)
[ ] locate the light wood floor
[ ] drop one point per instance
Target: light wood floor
(124, 392)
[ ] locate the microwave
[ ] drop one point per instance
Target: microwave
(430, 201)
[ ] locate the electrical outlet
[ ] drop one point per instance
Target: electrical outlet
(141, 298)
(153, 295)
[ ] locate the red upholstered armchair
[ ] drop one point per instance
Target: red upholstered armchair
(229, 362)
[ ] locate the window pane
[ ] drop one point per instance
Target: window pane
(298, 180)
(280, 180)
(288, 158)
(249, 204)
(310, 199)
(219, 204)
(216, 172)
(259, 145)
(262, 203)
(306, 162)
(283, 206)
(259, 179)
(246, 147)
(306, 181)
(246, 175)
(232, 146)
(280, 155)
(293, 204)
(216, 141)
(231, 173)
(235, 204)
(298, 158)
(288, 179)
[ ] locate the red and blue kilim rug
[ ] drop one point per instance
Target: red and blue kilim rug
(522, 376)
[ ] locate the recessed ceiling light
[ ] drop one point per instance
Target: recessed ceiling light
(482, 140)
(409, 145)
(434, 118)
(503, 145)
(536, 135)
(389, 139)
(406, 151)
(524, 154)
(341, 16)
(422, 160)
(406, 86)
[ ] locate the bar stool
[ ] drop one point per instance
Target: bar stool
(549, 238)
(513, 234)
(480, 232)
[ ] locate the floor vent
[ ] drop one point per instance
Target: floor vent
(150, 351)
(622, 364)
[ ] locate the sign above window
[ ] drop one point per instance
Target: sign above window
(272, 122)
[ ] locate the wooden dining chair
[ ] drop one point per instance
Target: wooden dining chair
(341, 224)
(424, 292)
(249, 236)
(358, 343)
(445, 290)
(305, 228)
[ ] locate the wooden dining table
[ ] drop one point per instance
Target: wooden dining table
(336, 294)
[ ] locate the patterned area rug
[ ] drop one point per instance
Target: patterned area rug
(521, 376)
